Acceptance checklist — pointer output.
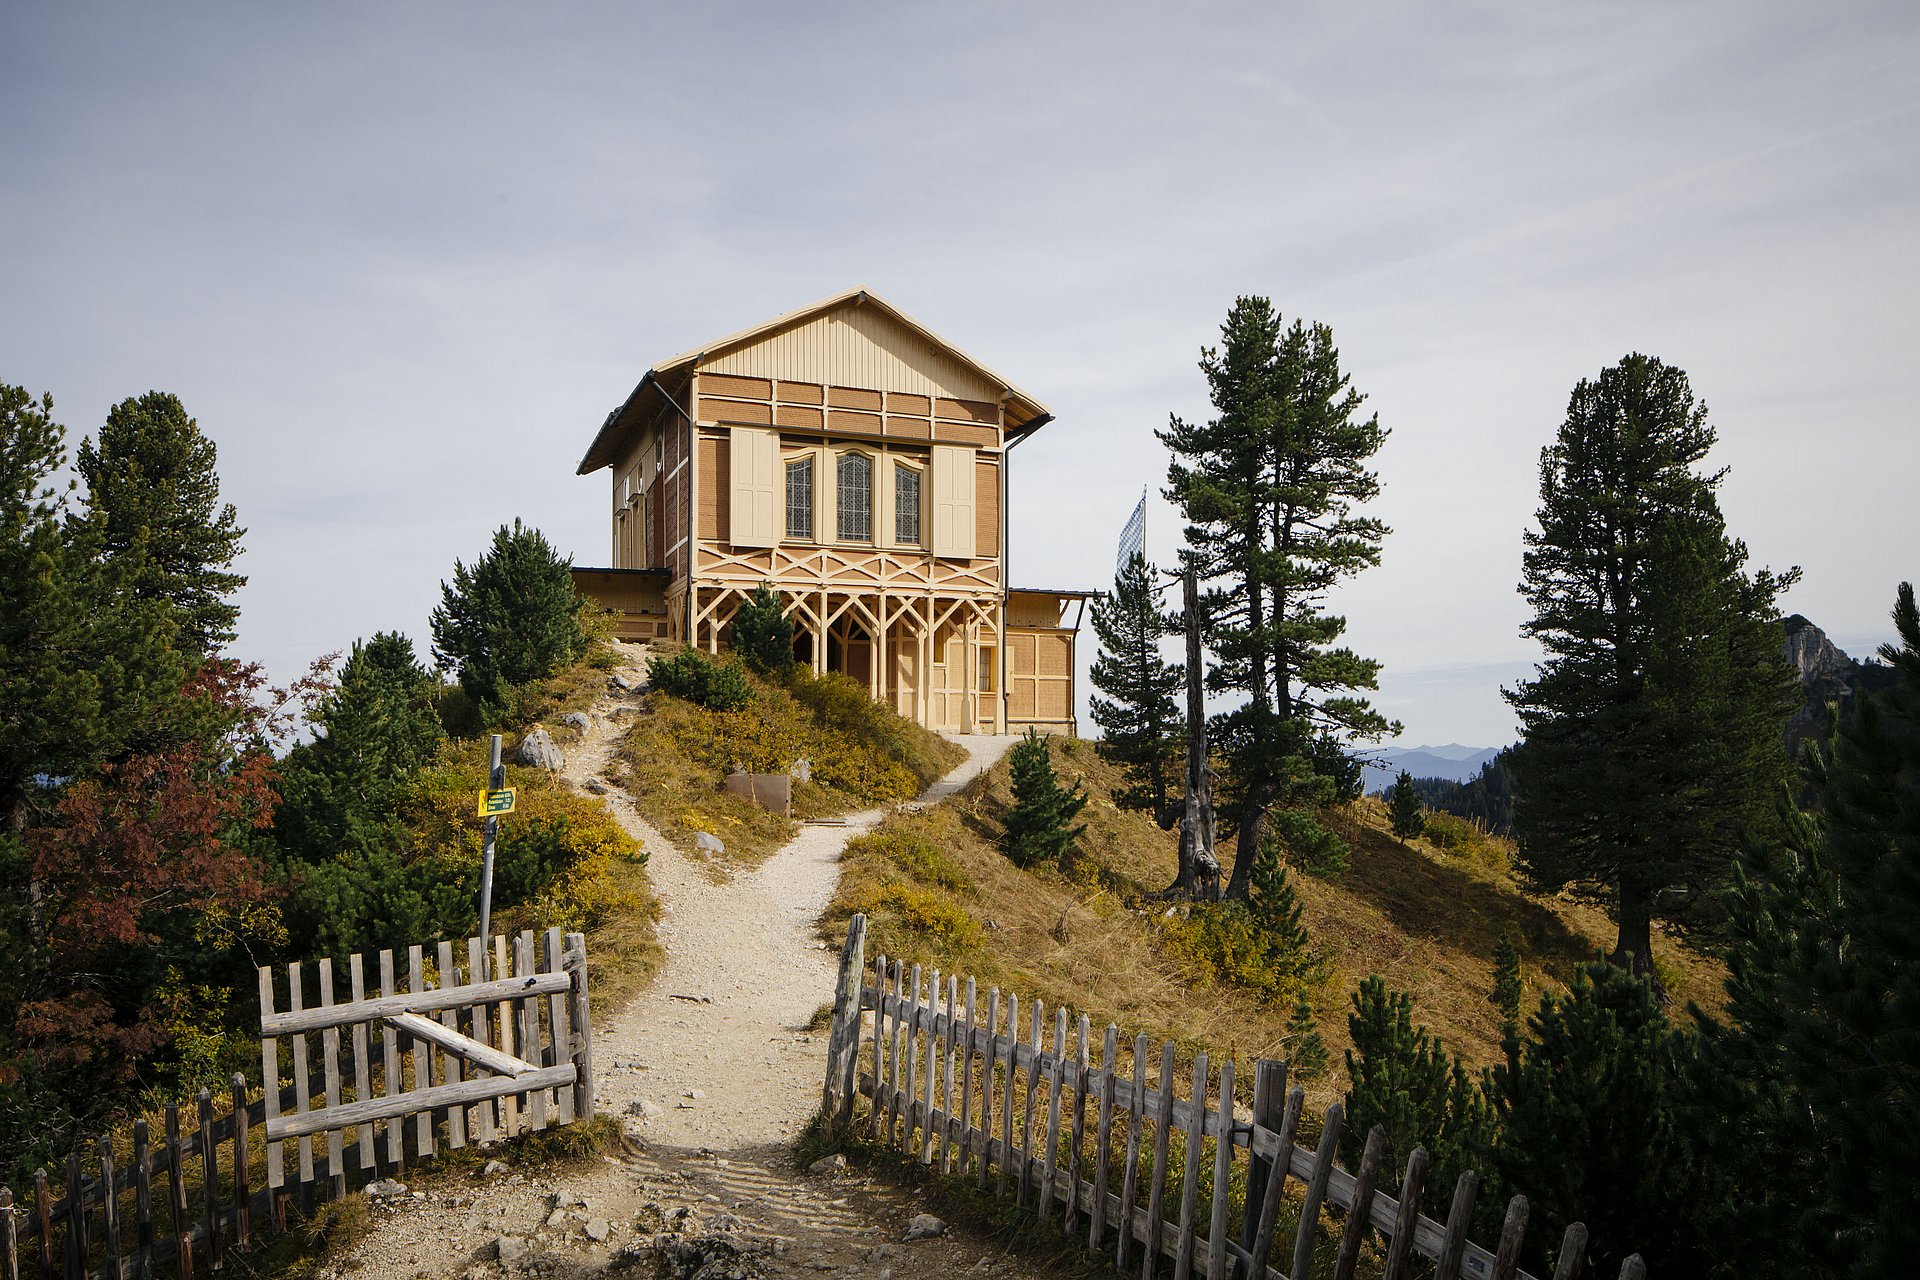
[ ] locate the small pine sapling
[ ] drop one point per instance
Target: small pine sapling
(1403, 805)
(1040, 827)
(1306, 1051)
(1506, 980)
(763, 633)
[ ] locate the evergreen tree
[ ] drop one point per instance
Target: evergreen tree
(373, 732)
(1141, 727)
(1039, 828)
(1403, 806)
(1653, 728)
(513, 617)
(1269, 488)
(1402, 1079)
(154, 498)
(1820, 1067)
(762, 631)
(1306, 1050)
(1593, 1128)
(1506, 980)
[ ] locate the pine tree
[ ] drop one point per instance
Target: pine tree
(1823, 1051)
(762, 631)
(513, 617)
(1506, 979)
(1590, 1113)
(154, 497)
(1141, 726)
(1653, 728)
(1039, 827)
(1269, 488)
(1402, 1079)
(1403, 806)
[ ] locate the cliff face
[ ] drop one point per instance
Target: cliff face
(1827, 675)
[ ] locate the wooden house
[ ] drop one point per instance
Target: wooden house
(856, 462)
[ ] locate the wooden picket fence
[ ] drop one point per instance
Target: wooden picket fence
(508, 1052)
(1091, 1139)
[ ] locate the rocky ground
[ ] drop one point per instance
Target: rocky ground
(713, 1074)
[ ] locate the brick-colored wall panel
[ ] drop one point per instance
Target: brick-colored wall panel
(1052, 652)
(968, 410)
(853, 398)
(800, 392)
(902, 402)
(722, 384)
(955, 433)
(986, 510)
(716, 490)
(794, 415)
(748, 413)
(910, 428)
(866, 424)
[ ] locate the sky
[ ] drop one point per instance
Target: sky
(400, 260)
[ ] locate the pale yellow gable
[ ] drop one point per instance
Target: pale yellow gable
(854, 345)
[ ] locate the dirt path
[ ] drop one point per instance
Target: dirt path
(713, 1073)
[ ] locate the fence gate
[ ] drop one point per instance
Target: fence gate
(507, 1049)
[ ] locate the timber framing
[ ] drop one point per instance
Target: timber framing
(856, 462)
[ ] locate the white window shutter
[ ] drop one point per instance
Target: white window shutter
(757, 506)
(953, 502)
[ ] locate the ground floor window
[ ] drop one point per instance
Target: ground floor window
(800, 498)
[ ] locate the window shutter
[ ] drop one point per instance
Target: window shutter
(953, 502)
(757, 507)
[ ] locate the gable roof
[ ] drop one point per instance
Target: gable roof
(1025, 414)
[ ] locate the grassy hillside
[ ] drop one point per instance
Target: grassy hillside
(937, 891)
(862, 754)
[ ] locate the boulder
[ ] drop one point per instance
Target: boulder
(829, 1166)
(802, 770)
(386, 1189)
(537, 750)
(924, 1226)
(707, 842)
(576, 720)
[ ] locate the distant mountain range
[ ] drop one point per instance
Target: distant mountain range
(1453, 762)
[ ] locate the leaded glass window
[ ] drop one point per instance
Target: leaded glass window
(906, 506)
(856, 497)
(800, 498)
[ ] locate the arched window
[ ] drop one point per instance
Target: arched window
(855, 496)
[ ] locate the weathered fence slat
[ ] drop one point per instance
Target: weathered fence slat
(932, 1075)
(109, 1210)
(242, 1206)
(177, 1197)
(1573, 1251)
(330, 1055)
(1056, 1076)
(1222, 1175)
(987, 1059)
(393, 1083)
(450, 1064)
(479, 1026)
(142, 1203)
(1513, 1233)
(1323, 1157)
(1130, 1167)
(1029, 1118)
(1103, 1140)
(362, 1064)
(580, 1025)
(1400, 1241)
(210, 1184)
(421, 1054)
(9, 1242)
(506, 1029)
(1459, 1217)
(295, 998)
(1157, 1183)
(965, 1130)
(1190, 1171)
(1361, 1209)
(43, 1216)
(1077, 1135)
(946, 1076)
(1006, 1096)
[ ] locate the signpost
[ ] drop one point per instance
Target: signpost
(496, 790)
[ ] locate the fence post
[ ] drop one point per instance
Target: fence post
(843, 1037)
(9, 1249)
(579, 1014)
(1269, 1102)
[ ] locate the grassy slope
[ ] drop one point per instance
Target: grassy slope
(676, 754)
(1423, 919)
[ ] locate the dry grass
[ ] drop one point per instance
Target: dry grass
(676, 755)
(938, 892)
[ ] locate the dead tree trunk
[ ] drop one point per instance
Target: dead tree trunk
(1199, 865)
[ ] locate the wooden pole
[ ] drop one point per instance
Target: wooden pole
(580, 1012)
(9, 1247)
(843, 1041)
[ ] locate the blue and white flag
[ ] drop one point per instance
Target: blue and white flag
(1133, 538)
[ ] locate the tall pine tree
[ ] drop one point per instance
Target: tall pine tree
(1653, 727)
(513, 617)
(1040, 826)
(154, 499)
(1140, 722)
(1823, 1050)
(1269, 489)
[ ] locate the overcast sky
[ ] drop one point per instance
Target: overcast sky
(400, 260)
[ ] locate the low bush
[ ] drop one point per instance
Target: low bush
(918, 857)
(692, 675)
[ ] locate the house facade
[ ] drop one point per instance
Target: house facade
(856, 462)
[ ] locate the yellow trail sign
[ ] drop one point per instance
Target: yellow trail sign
(495, 803)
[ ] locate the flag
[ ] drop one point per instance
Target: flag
(1133, 538)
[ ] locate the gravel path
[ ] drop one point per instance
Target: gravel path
(713, 1074)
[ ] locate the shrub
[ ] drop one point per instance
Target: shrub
(763, 633)
(915, 855)
(692, 675)
(511, 618)
(1039, 826)
(1309, 843)
(1403, 807)
(1506, 979)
